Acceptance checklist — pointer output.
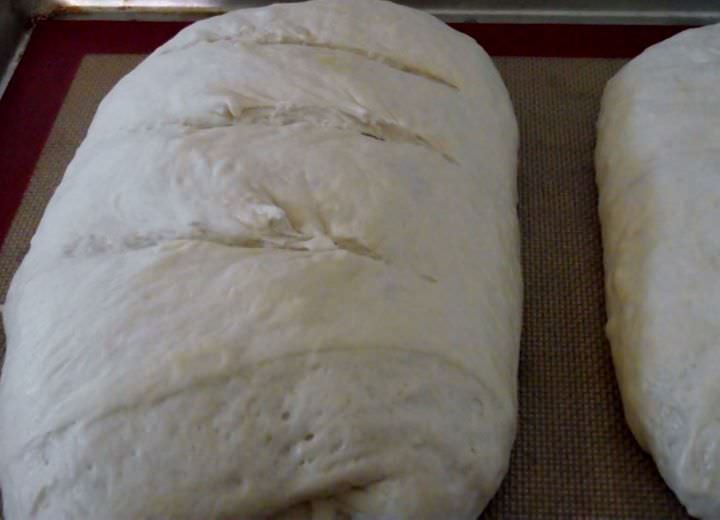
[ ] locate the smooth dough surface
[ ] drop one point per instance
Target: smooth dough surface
(658, 168)
(280, 279)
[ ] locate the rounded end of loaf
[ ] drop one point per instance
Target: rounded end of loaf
(351, 432)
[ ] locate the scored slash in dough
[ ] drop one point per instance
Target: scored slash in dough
(280, 279)
(658, 173)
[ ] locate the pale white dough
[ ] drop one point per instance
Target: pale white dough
(658, 172)
(280, 279)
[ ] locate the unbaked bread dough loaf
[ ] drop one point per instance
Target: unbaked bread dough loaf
(658, 172)
(280, 279)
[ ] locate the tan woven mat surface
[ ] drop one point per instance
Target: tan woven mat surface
(574, 457)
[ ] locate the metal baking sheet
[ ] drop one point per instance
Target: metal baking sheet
(516, 11)
(17, 15)
(574, 457)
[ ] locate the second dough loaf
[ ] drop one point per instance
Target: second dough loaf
(658, 167)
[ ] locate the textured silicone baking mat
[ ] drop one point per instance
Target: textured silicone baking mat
(574, 457)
